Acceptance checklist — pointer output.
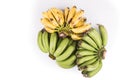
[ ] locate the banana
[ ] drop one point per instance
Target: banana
(58, 14)
(52, 19)
(76, 18)
(59, 41)
(86, 46)
(92, 67)
(53, 42)
(81, 22)
(81, 66)
(40, 43)
(94, 72)
(68, 62)
(70, 42)
(66, 66)
(71, 14)
(90, 41)
(85, 53)
(66, 53)
(81, 29)
(49, 29)
(96, 37)
(46, 22)
(76, 36)
(84, 59)
(45, 15)
(62, 46)
(66, 12)
(104, 34)
(45, 40)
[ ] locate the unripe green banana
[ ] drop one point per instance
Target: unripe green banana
(66, 53)
(40, 43)
(84, 59)
(53, 42)
(92, 66)
(104, 34)
(70, 42)
(66, 66)
(61, 47)
(84, 45)
(80, 67)
(81, 53)
(96, 37)
(45, 39)
(69, 61)
(59, 41)
(94, 72)
(87, 39)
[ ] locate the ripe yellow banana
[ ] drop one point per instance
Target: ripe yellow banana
(49, 29)
(76, 18)
(82, 28)
(46, 22)
(71, 14)
(76, 36)
(66, 12)
(80, 23)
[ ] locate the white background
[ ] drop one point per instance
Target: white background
(20, 57)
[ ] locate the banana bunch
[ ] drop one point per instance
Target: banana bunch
(68, 22)
(91, 51)
(61, 49)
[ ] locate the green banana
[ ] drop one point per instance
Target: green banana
(94, 72)
(92, 66)
(53, 42)
(40, 43)
(104, 34)
(87, 39)
(45, 40)
(81, 66)
(81, 53)
(61, 47)
(66, 66)
(68, 61)
(84, 59)
(70, 42)
(96, 37)
(59, 41)
(66, 53)
(84, 45)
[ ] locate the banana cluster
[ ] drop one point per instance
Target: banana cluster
(68, 22)
(61, 49)
(91, 51)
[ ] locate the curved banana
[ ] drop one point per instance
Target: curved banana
(49, 29)
(46, 22)
(96, 37)
(59, 41)
(104, 34)
(76, 36)
(76, 18)
(81, 22)
(61, 47)
(45, 40)
(84, 45)
(81, 29)
(71, 14)
(53, 42)
(66, 12)
(66, 66)
(81, 53)
(92, 66)
(81, 66)
(66, 53)
(69, 61)
(40, 43)
(84, 59)
(94, 72)
(90, 41)
(52, 19)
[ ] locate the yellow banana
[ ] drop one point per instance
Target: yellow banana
(46, 22)
(66, 12)
(49, 29)
(76, 36)
(80, 23)
(72, 12)
(76, 18)
(82, 28)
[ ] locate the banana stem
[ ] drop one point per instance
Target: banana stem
(52, 57)
(101, 53)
